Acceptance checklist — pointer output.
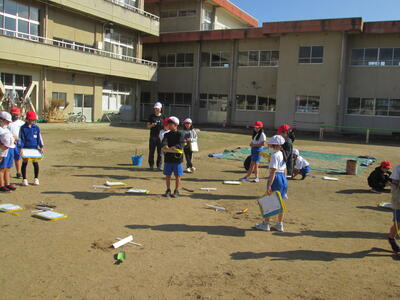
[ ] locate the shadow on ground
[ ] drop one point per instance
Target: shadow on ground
(95, 195)
(311, 255)
(213, 230)
(211, 196)
(114, 177)
(375, 208)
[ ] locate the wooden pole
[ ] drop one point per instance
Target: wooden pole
(321, 133)
(367, 137)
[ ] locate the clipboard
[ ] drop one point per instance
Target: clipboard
(272, 205)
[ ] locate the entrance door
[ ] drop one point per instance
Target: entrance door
(84, 104)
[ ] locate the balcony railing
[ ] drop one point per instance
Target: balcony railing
(122, 3)
(75, 47)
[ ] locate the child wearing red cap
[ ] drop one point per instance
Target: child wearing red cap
(394, 230)
(257, 145)
(15, 128)
(287, 133)
(30, 138)
(380, 177)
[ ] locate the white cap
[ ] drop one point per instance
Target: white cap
(7, 140)
(277, 140)
(296, 152)
(175, 120)
(5, 116)
(188, 120)
(158, 105)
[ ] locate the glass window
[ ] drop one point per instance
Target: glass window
(170, 60)
(307, 104)
(23, 11)
(243, 58)
(78, 100)
(386, 56)
(10, 7)
(1, 5)
(8, 79)
(10, 24)
(304, 54)
(253, 58)
(145, 97)
(371, 56)
(311, 54)
(241, 102)
(251, 102)
(34, 29)
(19, 80)
(263, 103)
(88, 101)
(162, 60)
(215, 60)
(205, 59)
(274, 58)
(313, 104)
(189, 59)
(353, 106)
(272, 105)
(225, 59)
(61, 98)
(187, 98)
(367, 106)
(394, 107)
(317, 53)
(357, 57)
(23, 27)
(396, 57)
(381, 107)
(34, 14)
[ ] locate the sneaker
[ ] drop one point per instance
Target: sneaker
(375, 191)
(243, 178)
(11, 187)
(263, 226)
(167, 193)
(176, 194)
(189, 170)
(193, 169)
(25, 182)
(395, 246)
(36, 181)
(4, 189)
(256, 180)
(19, 175)
(279, 227)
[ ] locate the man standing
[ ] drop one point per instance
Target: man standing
(155, 124)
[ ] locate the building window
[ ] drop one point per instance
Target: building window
(375, 57)
(21, 20)
(373, 107)
(214, 102)
(61, 99)
(178, 13)
(145, 97)
(311, 54)
(176, 60)
(253, 103)
(215, 59)
(175, 98)
(120, 44)
(258, 58)
(116, 95)
(307, 104)
(15, 84)
(83, 101)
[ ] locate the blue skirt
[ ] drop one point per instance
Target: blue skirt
(8, 161)
(280, 184)
(255, 154)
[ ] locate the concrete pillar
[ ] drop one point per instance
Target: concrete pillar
(196, 84)
(233, 83)
(342, 94)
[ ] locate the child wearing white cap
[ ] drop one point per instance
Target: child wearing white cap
(301, 166)
(7, 162)
(173, 156)
(155, 124)
(189, 135)
(277, 179)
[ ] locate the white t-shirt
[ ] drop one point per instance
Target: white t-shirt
(262, 138)
(277, 162)
(301, 163)
(396, 173)
(3, 153)
(162, 133)
(15, 127)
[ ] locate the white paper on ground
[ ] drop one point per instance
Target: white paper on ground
(232, 182)
(215, 207)
(49, 215)
(123, 242)
(208, 189)
(109, 183)
(330, 178)
(9, 207)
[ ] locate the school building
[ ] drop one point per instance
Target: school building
(216, 65)
(86, 54)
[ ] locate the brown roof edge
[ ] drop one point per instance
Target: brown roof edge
(382, 27)
(346, 24)
(228, 6)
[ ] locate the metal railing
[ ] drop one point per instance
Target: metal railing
(75, 47)
(122, 3)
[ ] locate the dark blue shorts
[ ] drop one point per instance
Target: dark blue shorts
(396, 215)
(17, 154)
(176, 168)
(256, 154)
(305, 170)
(280, 184)
(8, 161)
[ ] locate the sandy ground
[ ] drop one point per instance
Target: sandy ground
(334, 248)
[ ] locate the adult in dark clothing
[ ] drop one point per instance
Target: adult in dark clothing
(286, 131)
(380, 177)
(155, 124)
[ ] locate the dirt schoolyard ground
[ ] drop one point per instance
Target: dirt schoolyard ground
(334, 246)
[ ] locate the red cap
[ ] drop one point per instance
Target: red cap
(283, 128)
(31, 115)
(258, 124)
(386, 164)
(15, 111)
(166, 121)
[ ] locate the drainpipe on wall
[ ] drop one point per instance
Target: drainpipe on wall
(341, 100)
(232, 84)
(196, 87)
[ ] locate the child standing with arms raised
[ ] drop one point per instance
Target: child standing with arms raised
(277, 179)
(257, 145)
(173, 144)
(30, 138)
(190, 136)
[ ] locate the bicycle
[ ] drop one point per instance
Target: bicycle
(76, 117)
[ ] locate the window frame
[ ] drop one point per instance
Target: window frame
(245, 106)
(379, 62)
(260, 63)
(308, 99)
(220, 63)
(389, 112)
(311, 55)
